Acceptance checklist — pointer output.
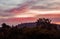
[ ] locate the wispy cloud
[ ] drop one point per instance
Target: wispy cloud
(10, 3)
(48, 4)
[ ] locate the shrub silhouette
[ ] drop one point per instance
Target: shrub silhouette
(43, 21)
(5, 25)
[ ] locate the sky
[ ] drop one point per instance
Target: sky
(20, 11)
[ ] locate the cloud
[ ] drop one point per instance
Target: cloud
(20, 6)
(47, 4)
(9, 4)
(39, 4)
(28, 8)
(43, 12)
(6, 5)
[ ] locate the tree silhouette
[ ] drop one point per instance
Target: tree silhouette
(43, 22)
(47, 21)
(4, 25)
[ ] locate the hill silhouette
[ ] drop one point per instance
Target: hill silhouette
(41, 29)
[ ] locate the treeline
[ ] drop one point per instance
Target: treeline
(43, 30)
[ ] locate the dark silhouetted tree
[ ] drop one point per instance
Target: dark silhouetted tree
(4, 25)
(43, 21)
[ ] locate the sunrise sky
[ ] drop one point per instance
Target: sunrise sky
(22, 11)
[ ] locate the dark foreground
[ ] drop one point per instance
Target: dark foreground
(28, 33)
(42, 30)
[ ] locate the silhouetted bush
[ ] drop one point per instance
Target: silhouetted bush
(43, 22)
(5, 25)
